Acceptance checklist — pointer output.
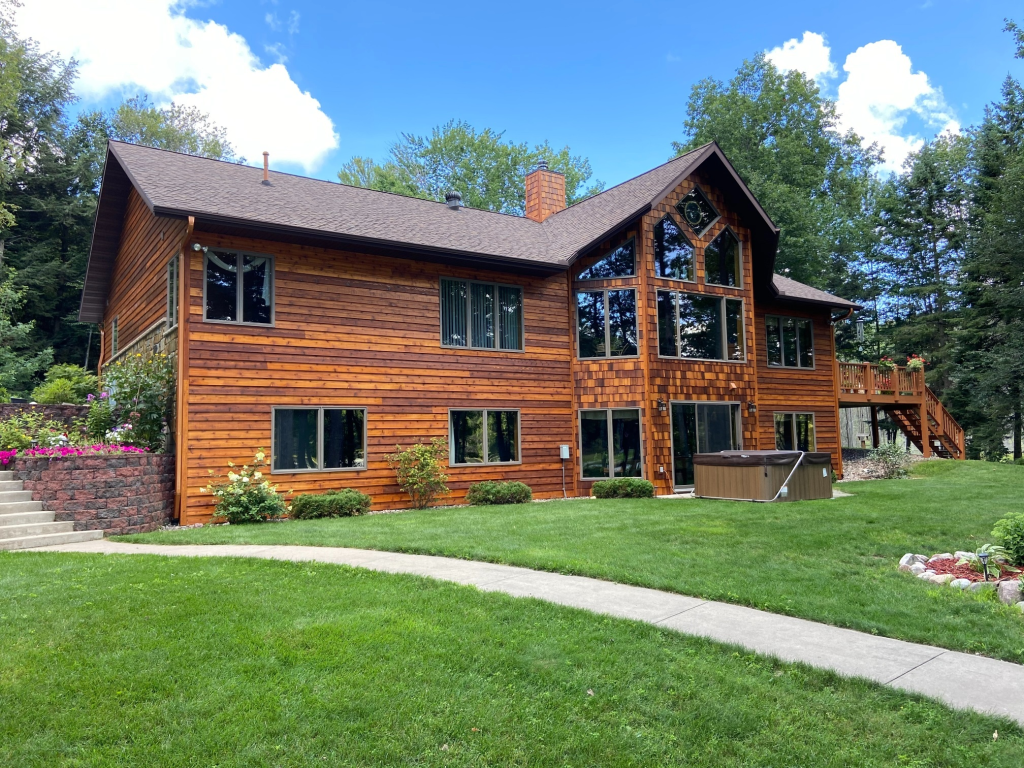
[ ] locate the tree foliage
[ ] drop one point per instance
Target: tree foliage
(176, 127)
(487, 169)
(816, 182)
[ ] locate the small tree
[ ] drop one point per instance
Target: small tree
(420, 471)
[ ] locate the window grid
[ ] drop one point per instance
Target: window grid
(610, 442)
(240, 286)
(319, 438)
(485, 438)
(607, 325)
(500, 333)
(723, 316)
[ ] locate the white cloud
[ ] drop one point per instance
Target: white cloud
(150, 46)
(272, 21)
(293, 23)
(810, 55)
(881, 92)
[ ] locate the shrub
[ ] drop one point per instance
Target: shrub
(623, 488)
(5, 396)
(55, 392)
(1009, 532)
(420, 472)
(100, 418)
(20, 431)
(340, 503)
(498, 492)
(142, 388)
(891, 460)
(14, 436)
(247, 497)
(66, 384)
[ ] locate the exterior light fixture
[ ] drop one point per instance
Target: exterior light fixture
(662, 405)
(196, 247)
(751, 407)
(983, 556)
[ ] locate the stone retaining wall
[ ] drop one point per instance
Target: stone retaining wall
(65, 413)
(116, 494)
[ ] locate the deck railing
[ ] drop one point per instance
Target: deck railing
(869, 379)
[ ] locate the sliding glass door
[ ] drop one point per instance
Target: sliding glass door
(701, 428)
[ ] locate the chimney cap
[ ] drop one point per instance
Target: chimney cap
(542, 165)
(453, 199)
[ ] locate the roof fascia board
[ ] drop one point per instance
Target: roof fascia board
(112, 148)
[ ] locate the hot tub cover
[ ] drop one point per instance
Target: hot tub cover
(759, 458)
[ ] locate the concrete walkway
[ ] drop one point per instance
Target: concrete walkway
(958, 679)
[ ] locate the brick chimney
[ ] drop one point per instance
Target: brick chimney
(545, 192)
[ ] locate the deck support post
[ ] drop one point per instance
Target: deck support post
(875, 439)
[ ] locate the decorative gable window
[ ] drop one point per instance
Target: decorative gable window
(697, 211)
(790, 342)
(606, 323)
(481, 315)
(700, 327)
(673, 253)
(620, 262)
(722, 260)
(228, 299)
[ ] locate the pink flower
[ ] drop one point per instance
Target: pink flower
(103, 395)
(89, 398)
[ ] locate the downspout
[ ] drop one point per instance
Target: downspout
(181, 380)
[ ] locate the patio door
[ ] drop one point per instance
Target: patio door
(701, 428)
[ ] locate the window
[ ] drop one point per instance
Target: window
(697, 211)
(790, 342)
(621, 262)
(673, 254)
(318, 439)
(481, 315)
(794, 431)
(619, 429)
(172, 292)
(705, 427)
(722, 260)
(700, 327)
(113, 336)
(230, 300)
(606, 323)
(483, 437)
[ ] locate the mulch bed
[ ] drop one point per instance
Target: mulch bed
(966, 572)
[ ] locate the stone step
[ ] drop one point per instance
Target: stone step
(11, 485)
(16, 495)
(23, 518)
(34, 529)
(7, 475)
(50, 539)
(10, 507)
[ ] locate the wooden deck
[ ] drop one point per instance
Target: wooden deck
(907, 400)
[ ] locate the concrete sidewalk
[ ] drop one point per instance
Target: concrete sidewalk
(958, 679)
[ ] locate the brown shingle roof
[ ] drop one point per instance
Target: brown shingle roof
(791, 289)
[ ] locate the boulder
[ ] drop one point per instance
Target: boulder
(960, 583)
(926, 575)
(917, 569)
(910, 558)
(962, 555)
(983, 586)
(943, 556)
(941, 578)
(1009, 592)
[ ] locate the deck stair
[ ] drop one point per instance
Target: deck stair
(25, 524)
(908, 401)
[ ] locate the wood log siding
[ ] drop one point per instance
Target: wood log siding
(799, 390)
(138, 290)
(364, 331)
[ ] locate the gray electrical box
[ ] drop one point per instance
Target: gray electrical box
(563, 452)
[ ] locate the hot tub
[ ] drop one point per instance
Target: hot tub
(758, 475)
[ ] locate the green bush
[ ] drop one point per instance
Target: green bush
(142, 389)
(5, 396)
(1009, 532)
(247, 496)
(13, 435)
(339, 503)
(66, 384)
(498, 492)
(623, 488)
(100, 419)
(20, 431)
(420, 471)
(892, 461)
(55, 392)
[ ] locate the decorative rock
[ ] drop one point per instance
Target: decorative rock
(941, 578)
(963, 555)
(983, 586)
(1009, 592)
(926, 575)
(943, 556)
(910, 558)
(917, 569)
(960, 583)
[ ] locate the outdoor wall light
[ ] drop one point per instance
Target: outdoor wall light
(751, 407)
(662, 405)
(983, 556)
(197, 247)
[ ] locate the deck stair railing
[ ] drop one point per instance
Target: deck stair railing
(908, 401)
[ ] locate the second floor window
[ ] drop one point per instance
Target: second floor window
(229, 298)
(790, 342)
(722, 260)
(481, 315)
(606, 323)
(620, 262)
(673, 254)
(699, 326)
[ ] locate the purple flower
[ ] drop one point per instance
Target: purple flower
(104, 394)
(89, 398)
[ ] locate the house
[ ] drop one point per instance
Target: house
(328, 324)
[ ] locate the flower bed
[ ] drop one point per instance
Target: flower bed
(953, 570)
(116, 489)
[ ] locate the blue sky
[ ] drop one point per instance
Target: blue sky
(611, 80)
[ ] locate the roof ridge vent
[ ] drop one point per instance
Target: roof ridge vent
(453, 199)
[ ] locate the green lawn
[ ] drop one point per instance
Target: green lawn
(832, 561)
(148, 661)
